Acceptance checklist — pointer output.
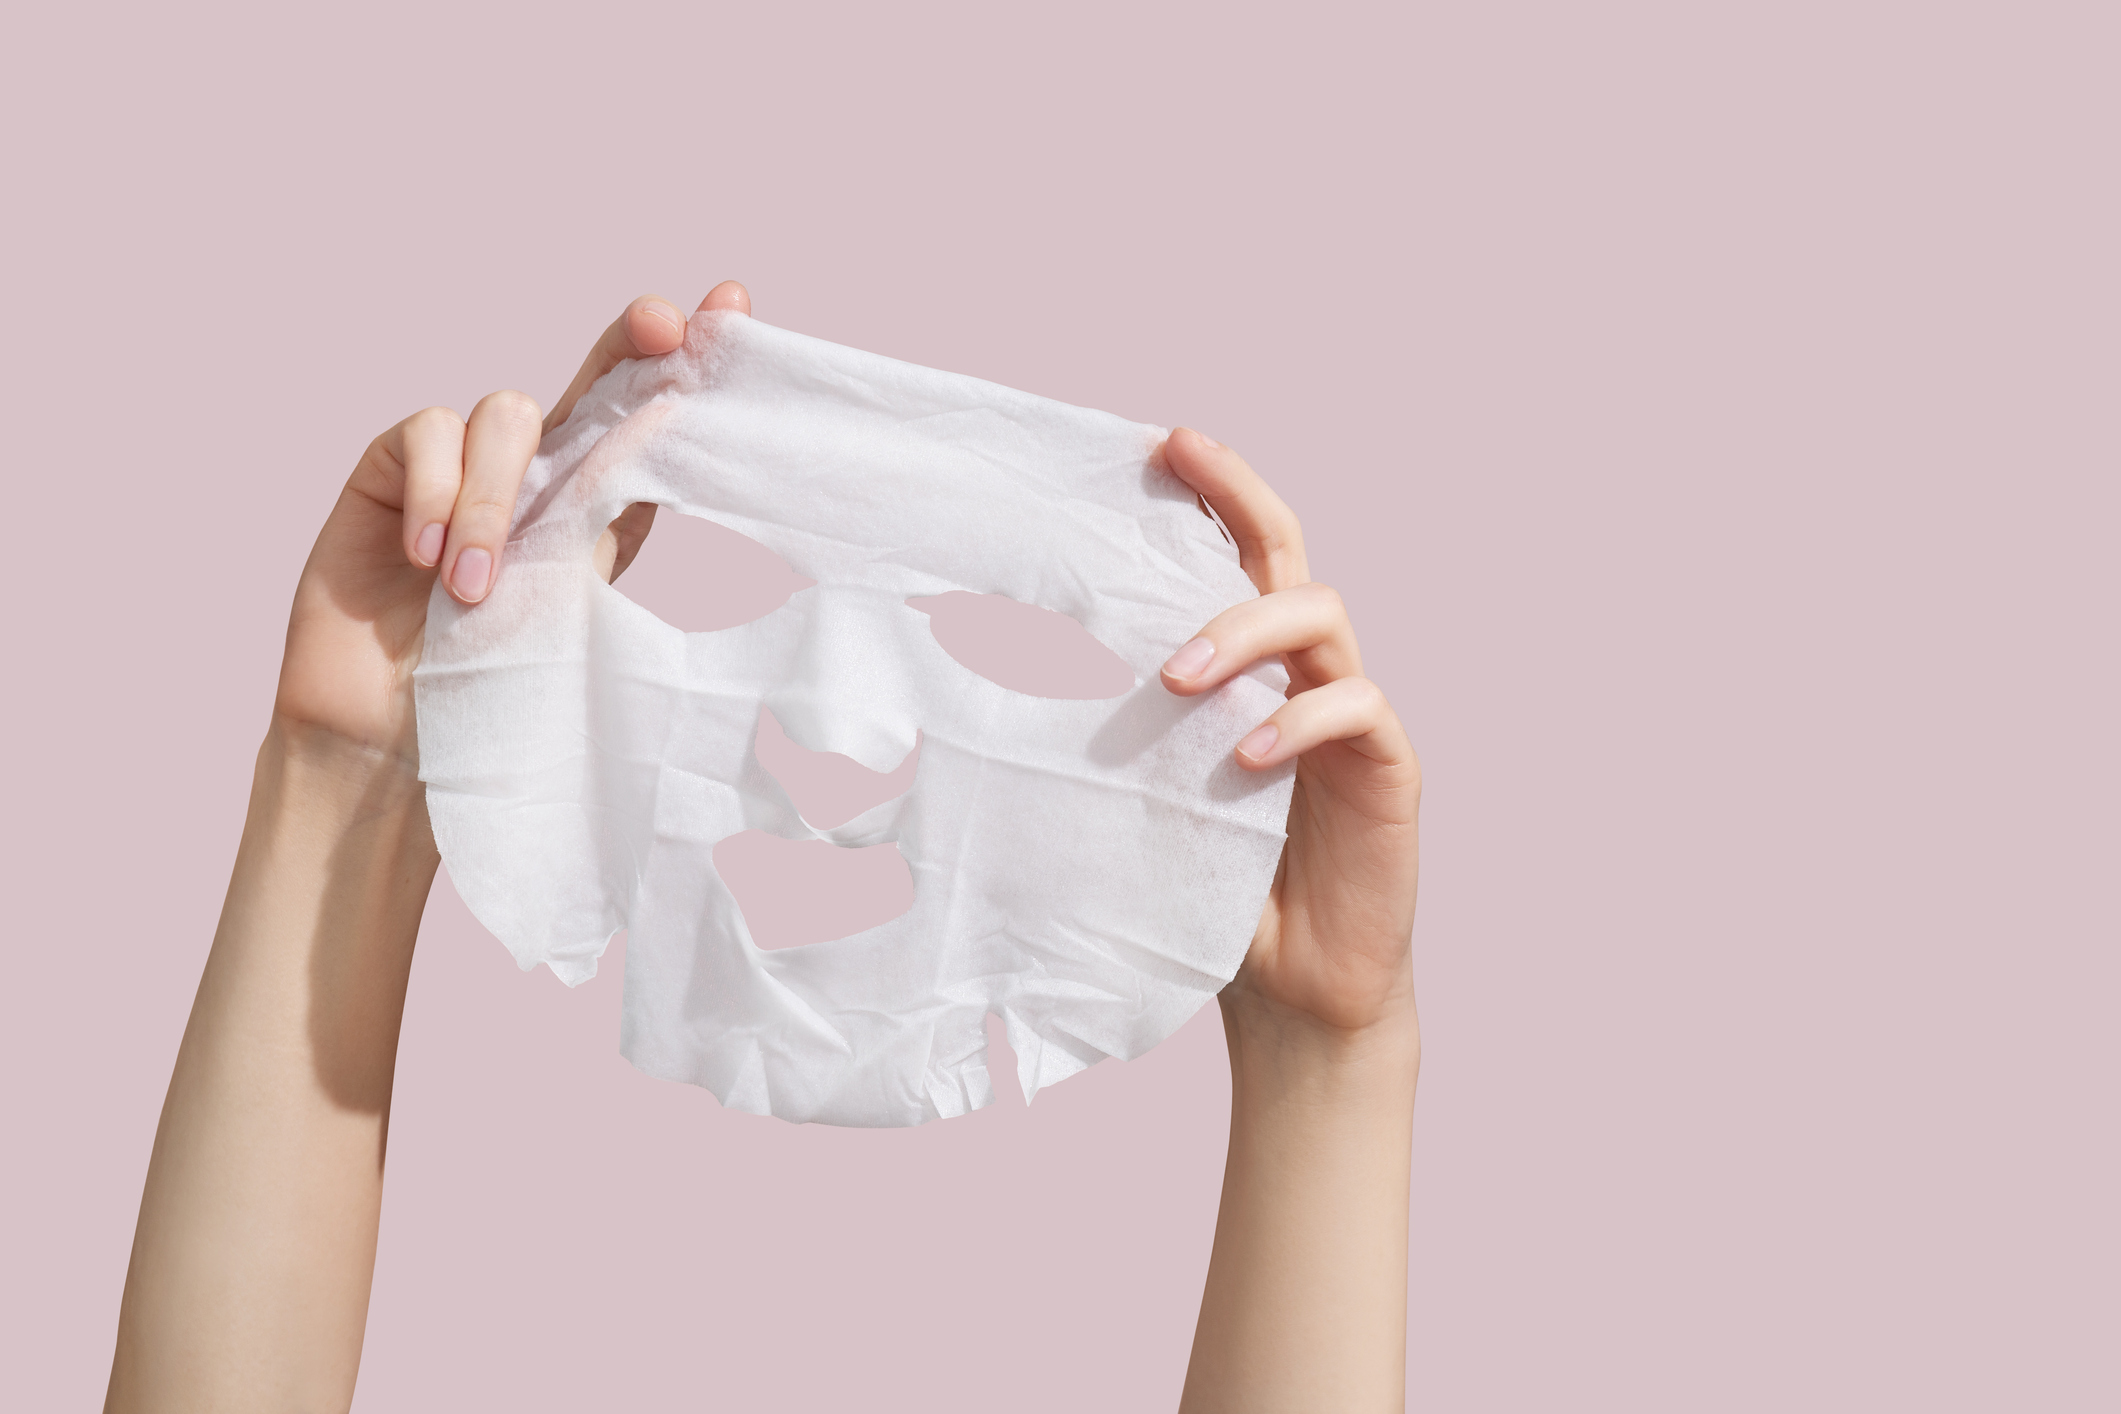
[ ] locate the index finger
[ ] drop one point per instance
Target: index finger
(650, 326)
(1270, 543)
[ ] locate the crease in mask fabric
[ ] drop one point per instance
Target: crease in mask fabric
(1089, 871)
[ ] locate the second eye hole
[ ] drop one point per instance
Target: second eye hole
(696, 575)
(1024, 648)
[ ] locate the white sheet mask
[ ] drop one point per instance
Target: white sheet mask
(1090, 871)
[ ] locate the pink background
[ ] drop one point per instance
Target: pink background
(1710, 419)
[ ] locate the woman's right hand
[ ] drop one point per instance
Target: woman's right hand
(433, 495)
(251, 1265)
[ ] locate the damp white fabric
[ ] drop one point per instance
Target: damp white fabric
(1090, 871)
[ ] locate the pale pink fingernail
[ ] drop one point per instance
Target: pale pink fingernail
(1191, 661)
(1206, 441)
(1260, 742)
(474, 568)
(428, 548)
(669, 315)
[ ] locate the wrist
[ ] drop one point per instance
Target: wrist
(314, 784)
(1281, 1050)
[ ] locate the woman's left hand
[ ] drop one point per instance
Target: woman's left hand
(1305, 1306)
(1332, 947)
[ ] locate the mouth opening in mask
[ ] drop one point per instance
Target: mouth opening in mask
(794, 892)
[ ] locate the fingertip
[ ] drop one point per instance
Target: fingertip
(1254, 753)
(427, 545)
(1194, 443)
(655, 325)
(728, 295)
(472, 575)
(1185, 673)
(1186, 453)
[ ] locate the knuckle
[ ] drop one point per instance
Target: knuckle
(1330, 603)
(435, 419)
(433, 442)
(515, 410)
(1280, 524)
(485, 506)
(1273, 539)
(1366, 697)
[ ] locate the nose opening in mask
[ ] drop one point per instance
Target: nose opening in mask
(827, 788)
(1025, 648)
(693, 573)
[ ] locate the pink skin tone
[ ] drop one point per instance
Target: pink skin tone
(252, 1262)
(1305, 1306)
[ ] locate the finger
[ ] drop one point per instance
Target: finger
(728, 295)
(430, 446)
(622, 539)
(651, 325)
(1308, 623)
(1270, 543)
(499, 441)
(1352, 710)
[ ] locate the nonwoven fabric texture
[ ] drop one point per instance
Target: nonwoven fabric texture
(1090, 871)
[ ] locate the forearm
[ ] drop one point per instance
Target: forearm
(251, 1266)
(1305, 1307)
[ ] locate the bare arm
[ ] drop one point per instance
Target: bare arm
(252, 1262)
(257, 1236)
(1306, 1300)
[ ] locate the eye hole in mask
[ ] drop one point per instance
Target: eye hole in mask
(699, 576)
(1024, 648)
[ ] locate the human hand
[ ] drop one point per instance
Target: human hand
(434, 495)
(1332, 946)
(252, 1262)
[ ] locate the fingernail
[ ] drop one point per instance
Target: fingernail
(669, 315)
(428, 548)
(1260, 742)
(473, 568)
(1191, 661)
(1206, 441)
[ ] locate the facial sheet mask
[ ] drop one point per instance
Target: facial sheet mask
(1090, 871)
